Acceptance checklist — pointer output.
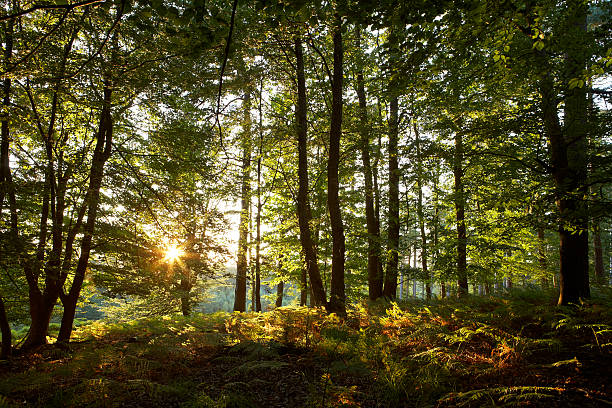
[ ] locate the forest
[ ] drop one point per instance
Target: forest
(289, 203)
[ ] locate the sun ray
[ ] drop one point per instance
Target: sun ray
(173, 253)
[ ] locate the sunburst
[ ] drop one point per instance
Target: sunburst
(173, 253)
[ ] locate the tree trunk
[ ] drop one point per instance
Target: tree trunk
(420, 211)
(462, 281)
(337, 297)
(241, 266)
(598, 253)
(41, 308)
(303, 288)
(185, 285)
(436, 223)
(390, 287)
(375, 278)
(5, 329)
(102, 152)
(259, 208)
(304, 213)
(279, 293)
(567, 146)
(6, 179)
(542, 256)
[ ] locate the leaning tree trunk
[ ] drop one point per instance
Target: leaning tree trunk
(462, 282)
(53, 206)
(390, 288)
(309, 251)
(241, 267)
(102, 152)
(337, 297)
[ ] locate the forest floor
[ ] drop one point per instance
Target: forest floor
(515, 350)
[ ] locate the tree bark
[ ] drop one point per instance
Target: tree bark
(309, 251)
(241, 266)
(257, 286)
(7, 187)
(5, 329)
(598, 253)
(279, 293)
(542, 256)
(337, 296)
(459, 199)
(375, 278)
(390, 287)
(420, 215)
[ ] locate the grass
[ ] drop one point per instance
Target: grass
(517, 350)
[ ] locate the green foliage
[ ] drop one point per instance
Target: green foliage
(409, 354)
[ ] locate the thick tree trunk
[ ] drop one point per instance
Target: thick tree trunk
(567, 146)
(462, 281)
(5, 329)
(375, 277)
(309, 251)
(241, 266)
(41, 308)
(337, 297)
(390, 287)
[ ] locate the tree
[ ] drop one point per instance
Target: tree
(337, 298)
(303, 201)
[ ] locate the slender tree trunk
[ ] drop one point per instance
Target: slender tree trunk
(390, 287)
(259, 208)
(6, 180)
(5, 329)
(279, 293)
(462, 281)
(337, 297)
(542, 256)
(241, 266)
(598, 253)
(303, 201)
(420, 211)
(436, 226)
(375, 278)
(303, 288)
(186, 286)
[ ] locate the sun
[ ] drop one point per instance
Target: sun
(173, 252)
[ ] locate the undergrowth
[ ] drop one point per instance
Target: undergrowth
(515, 350)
